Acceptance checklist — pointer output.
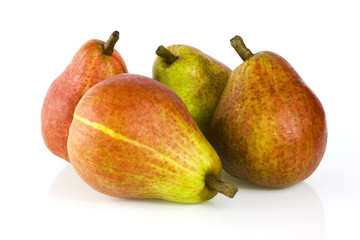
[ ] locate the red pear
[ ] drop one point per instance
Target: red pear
(94, 62)
(133, 137)
(269, 128)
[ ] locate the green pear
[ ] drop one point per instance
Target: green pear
(269, 128)
(196, 77)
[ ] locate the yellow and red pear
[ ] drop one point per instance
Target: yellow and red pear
(269, 128)
(133, 137)
(94, 62)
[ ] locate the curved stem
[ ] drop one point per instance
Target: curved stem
(108, 47)
(228, 189)
(238, 44)
(163, 52)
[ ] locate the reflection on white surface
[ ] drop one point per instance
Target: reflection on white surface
(292, 213)
(69, 186)
(255, 212)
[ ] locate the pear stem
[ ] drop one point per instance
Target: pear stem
(163, 52)
(108, 47)
(238, 44)
(228, 189)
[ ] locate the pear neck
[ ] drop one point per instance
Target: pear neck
(238, 44)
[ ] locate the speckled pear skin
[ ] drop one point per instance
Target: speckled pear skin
(133, 137)
(89, 66)
(197, 78)
(269, 127)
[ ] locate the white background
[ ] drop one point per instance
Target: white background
(43, 198)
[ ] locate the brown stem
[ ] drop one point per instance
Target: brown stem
(228, 189)
(238, 44)
(108, 47)
(163, 52)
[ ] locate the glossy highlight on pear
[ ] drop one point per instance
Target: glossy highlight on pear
(133, 137)
(269, 128)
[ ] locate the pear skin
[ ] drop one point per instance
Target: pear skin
(196, 77)
(133, 137)
(94, 62)
(269, 128)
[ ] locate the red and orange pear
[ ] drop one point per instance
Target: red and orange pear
(94, 62)
(269, 128)
(133, 137)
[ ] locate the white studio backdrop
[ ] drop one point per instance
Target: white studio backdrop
(43, 198)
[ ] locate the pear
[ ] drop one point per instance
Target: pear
(95, 61)
(133, 137)
(196, 77)
(269, 128)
